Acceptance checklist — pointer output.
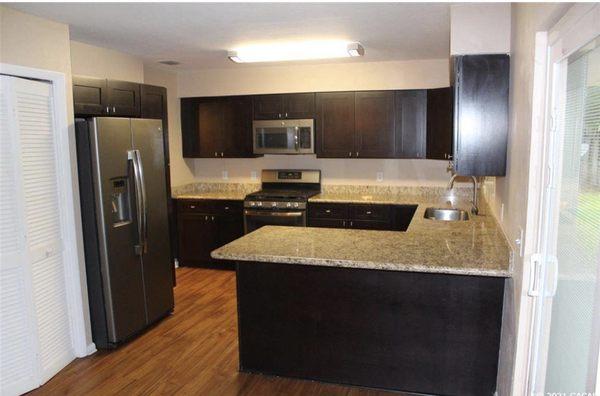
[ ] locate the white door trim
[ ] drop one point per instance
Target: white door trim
(574, 30)
(70, 210)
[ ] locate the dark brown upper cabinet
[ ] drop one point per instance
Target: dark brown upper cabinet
(124, 98)
(217, 127)
(374, 124)
(153, 102)
(284, 106)
(90, 96)
(411, 118)
(98, 96)
(335, 125)
(480, 114)
(439, 123)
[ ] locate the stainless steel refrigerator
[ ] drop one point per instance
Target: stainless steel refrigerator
(125, 225)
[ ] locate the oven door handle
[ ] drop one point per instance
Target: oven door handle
(272, 214)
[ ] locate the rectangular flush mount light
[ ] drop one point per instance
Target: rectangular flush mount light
(304, 50)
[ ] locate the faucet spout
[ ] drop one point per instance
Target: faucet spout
(451, 182)
(475, 207)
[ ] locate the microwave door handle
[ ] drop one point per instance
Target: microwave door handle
(296, 138)
(132, 156)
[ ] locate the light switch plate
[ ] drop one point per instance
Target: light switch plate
(519, 242)
(225, 175)
(253, 175)
(379, 176)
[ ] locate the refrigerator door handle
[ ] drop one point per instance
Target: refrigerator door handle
(144, 203)
(134, 157)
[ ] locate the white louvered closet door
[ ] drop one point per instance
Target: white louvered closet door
(35, 335)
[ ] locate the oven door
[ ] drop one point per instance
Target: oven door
(254, 219)
(283, 137)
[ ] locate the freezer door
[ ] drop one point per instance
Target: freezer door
(121, 268)
(148, 140)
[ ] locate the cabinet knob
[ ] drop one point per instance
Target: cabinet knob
(226, 208)
(221, 153)
(192, 206)
(216, 154)
(279, 115)
(328, 211)
(344, 223)
(212, 218)
(286, 114)
(351, 224)
(357, 153)
(107, 110)
(205, 217)
(350, 154)
(368, 212)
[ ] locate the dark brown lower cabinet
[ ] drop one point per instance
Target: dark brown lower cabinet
(415, 332)
(203, 226)
(360, 216)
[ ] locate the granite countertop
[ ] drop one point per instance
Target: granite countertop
(225, 195)
(474, 247)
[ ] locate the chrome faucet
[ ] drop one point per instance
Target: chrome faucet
(474, 208)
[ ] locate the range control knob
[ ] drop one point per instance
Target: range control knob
(252, 203)
(289, 205)
(274, 204)
(259, 204)
(295, 204)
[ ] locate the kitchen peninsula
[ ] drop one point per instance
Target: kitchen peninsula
(416, 311)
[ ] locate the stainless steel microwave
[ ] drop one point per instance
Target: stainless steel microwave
(284, 136)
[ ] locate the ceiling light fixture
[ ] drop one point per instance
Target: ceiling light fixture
(304, 50)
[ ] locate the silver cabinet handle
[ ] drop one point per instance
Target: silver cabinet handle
(221, 153)
(368, 212)
(192, 206)
(212, 218)
(296, 139)
(226, 208)
(286, 114)
(328, 211)
(205, 217)
(350, 154)
(344, 223)
(114, 109)
(140, 200)
(351, 224)
(279, 115)
(215, 153)
(357, 153)
(107, 110)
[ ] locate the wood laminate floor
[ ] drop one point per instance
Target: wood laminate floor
(192, 352)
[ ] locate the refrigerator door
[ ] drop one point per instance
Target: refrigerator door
(121, 268)
(148, 140)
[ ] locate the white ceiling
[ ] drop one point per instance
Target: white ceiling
(199, 35)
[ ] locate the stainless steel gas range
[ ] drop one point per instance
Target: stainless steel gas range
(283, 198)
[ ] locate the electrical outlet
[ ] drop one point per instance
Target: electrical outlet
(225, 175)
(519, 242)
(253, 175)
(379, 176)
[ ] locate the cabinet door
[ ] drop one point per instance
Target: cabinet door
(198, 236)
(231, 227)
(236, 132)
(124, 98)
(190, 129)
(153, 102)
(481, 114)
(439, 123)
(268, 107)
(411, 109)
(374, 115)
(335, 125)
(210, 124)
(90, 96)
(370, 225)
(328, 223)
(299, 106)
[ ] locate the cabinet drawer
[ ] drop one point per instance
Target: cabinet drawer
(369, 212)
(223, 207)
(327, 223)
(328, 211)
(189, 206)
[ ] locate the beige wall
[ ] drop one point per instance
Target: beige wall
(182, 170)
(478, 28)
(30, 41)
(89, 60)
(510, 192)
(325, 77)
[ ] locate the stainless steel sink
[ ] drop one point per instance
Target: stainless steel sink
(446, 214)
